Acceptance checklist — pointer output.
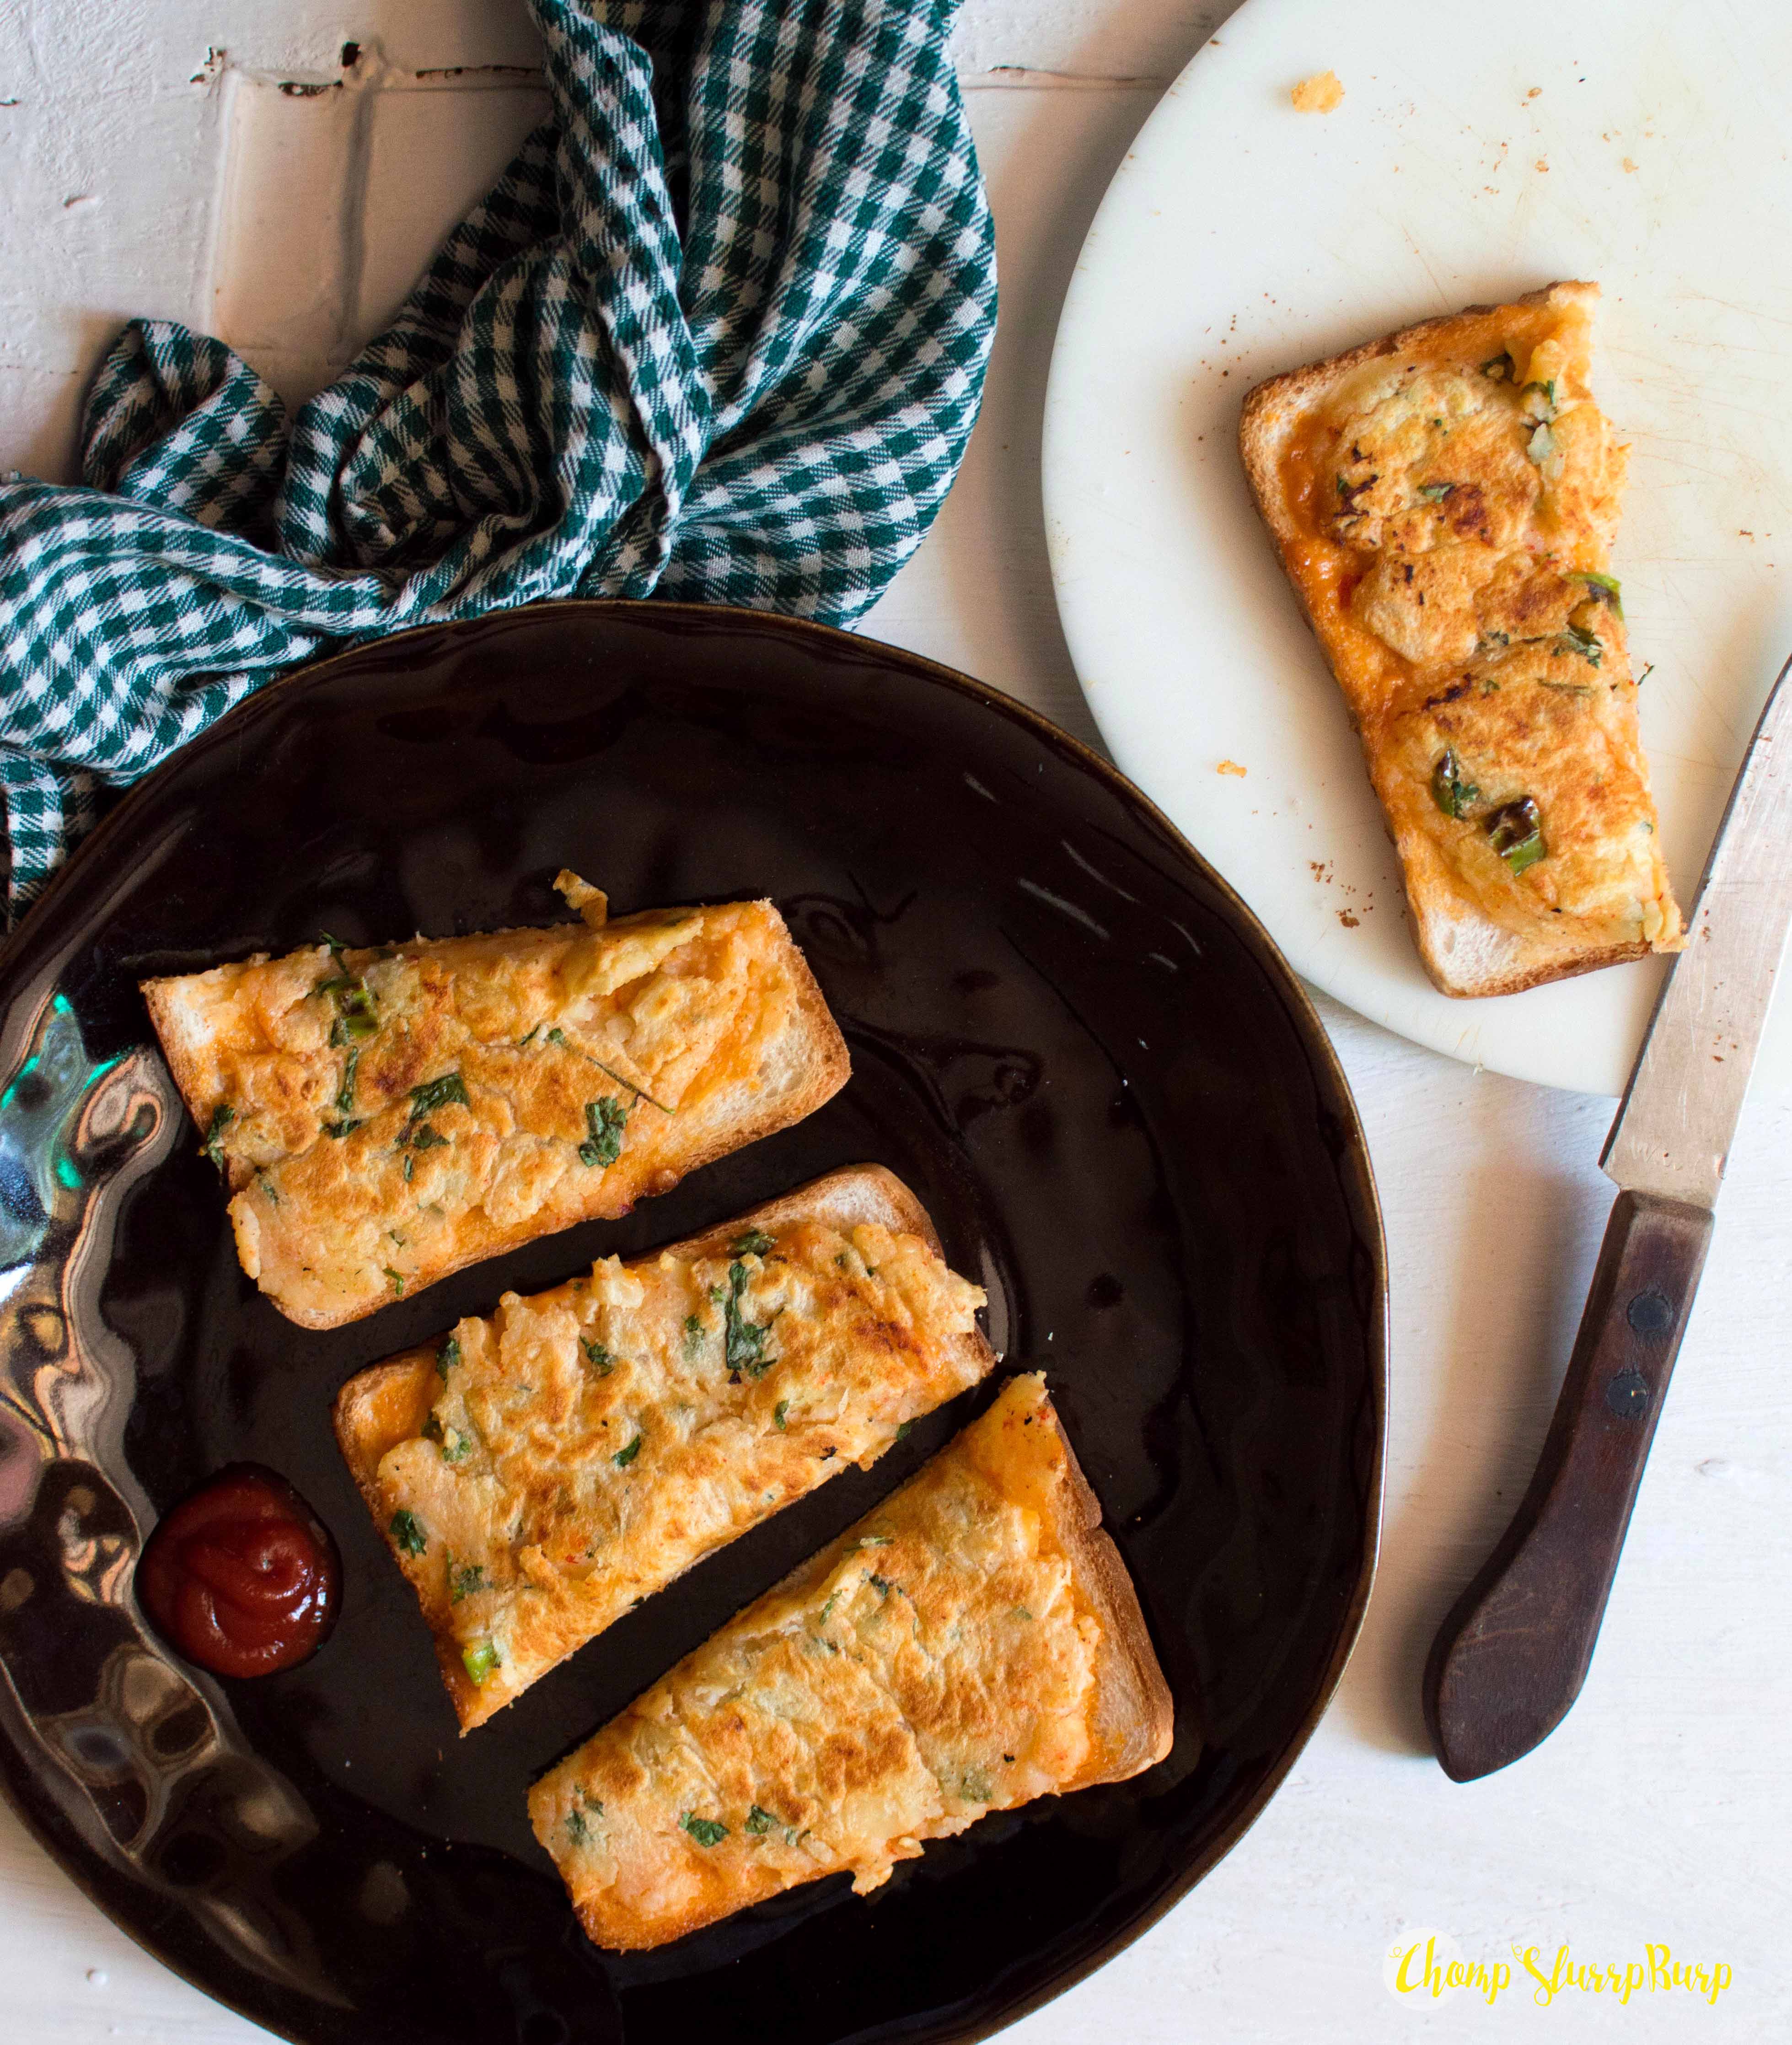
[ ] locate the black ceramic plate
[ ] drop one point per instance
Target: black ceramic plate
(1067, 1035)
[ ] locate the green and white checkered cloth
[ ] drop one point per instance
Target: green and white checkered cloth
(719, 334)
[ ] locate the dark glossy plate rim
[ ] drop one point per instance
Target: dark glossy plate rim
(17, 1775)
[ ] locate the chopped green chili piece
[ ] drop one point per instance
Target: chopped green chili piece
(705, 1830)
(1435, 493)
(479, 1660)
(624, 1457)
(606, 1120)
(394, 1279)
(1516, 833)
(777, 1414)
(213, 1147)
(1452, 794)
(1608, 587)
(406, 1531)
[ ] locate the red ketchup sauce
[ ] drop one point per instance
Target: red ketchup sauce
(242, 1576)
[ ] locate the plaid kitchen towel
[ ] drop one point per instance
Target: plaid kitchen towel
(719, 334)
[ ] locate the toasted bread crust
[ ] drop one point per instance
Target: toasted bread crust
(381, 1407)
(1477, 939)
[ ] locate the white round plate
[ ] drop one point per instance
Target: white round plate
(1478, 151)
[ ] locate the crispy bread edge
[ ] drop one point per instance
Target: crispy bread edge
(1135, 1713)
(1268, 410)
(856, 1193)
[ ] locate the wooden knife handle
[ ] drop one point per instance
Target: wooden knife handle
(1511, 1657)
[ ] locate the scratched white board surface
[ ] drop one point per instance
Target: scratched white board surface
(1643, 144)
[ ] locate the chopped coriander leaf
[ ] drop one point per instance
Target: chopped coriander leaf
(755, 1242)
(449, 1355)
(624, 1457)
(1435, 493)
(213, 1147)
(406, 1531)
(777, 1414)
(904, 1431)
(467, 1580)
(705, 1830)
(523, 1042)
(432, 1430)
(1585, 644)
(758, 1821)
(1542, 405)
(577, 1829)
(437, 1093)
(744, 1346)
(880, 1585)
(479, 1660)
(1454, 796)
(976, 1786)
(271, 1191)
(423, 1137)
(693, 1333)
(558, 1036)
(600, 1357)
(394, 1279)
(345, 1127)
(1500, 368)
(345, 1093)
(606, 1120)
(829, 1606)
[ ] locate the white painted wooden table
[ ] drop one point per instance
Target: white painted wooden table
(150, 164)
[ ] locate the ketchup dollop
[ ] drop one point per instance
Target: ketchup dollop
(242, 1576)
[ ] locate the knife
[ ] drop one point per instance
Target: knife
(1511, 1659)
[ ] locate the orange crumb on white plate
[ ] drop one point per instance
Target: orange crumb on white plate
(1230, 767)
(1318, 94)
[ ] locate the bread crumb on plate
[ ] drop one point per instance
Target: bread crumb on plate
(1321, 94)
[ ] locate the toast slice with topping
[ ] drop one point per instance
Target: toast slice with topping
(540, 1472)
(971, 1644)
(1444, 502)
(385, 1116)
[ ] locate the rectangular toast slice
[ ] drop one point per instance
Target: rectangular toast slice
(1444, 502)
(386, 1116)
(972, 1643)
(545, 1469)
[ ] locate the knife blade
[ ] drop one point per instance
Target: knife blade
(1511, 1659)
(1673, 1131)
